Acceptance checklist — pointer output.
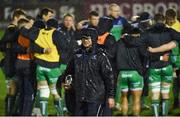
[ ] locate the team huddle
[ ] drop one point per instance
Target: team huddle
(93, 67)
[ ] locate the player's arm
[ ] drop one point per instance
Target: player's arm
(108, 77)
(163, 48)
(37, 49)
(81, 23)
(31, 33)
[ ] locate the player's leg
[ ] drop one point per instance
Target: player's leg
(11, 96)
(53, 75)
(176, 77)
(118, 93)
(167, 73)
(44, 91)
(154, 87)
(29, 83)
(145, 92)
(123, 77)
(136, 86)
(62, 69)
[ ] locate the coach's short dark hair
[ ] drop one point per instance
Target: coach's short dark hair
(45, 11)
(93, 13)
(17, 13)
(170, 13)
(159, 18)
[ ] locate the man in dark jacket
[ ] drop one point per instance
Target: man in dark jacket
(106, 41)
(67, 28)
(9, 47)
(93, 76)
(145, 22)
(160, 69)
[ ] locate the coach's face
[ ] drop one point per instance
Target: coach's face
(68, 22)
(87, 42)
(94, 20)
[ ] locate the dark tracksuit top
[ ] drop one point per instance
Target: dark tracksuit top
(93, 76)
(69, 40)
(156, 36)
(109, 45)
(10, 38)
(128, 57)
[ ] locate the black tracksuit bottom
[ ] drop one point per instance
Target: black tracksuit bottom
(87, 109)
(25, 71)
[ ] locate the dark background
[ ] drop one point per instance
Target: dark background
(81, 8)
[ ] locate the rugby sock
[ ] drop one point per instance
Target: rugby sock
(142, 100)
(44, 106)
(10, 101)
(118, 95)
(165, 107)
(63, 100)
(37, 105)
(58, 106)
(155, 107)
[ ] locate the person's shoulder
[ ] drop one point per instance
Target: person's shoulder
(57, 34)
(111, 37)
(122, 19)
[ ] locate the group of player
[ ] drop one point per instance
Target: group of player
(91, 67)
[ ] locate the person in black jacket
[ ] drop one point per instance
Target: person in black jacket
(130, 70)
(25, 73)
(69, 33)
(144, 23)
(160, 70)
(9, 46)
(93, 76)
(68, 30)
(106, 41)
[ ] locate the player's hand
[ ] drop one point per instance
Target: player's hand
(47, 50)
(150, 49)
(111, 102)
(124, 35)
